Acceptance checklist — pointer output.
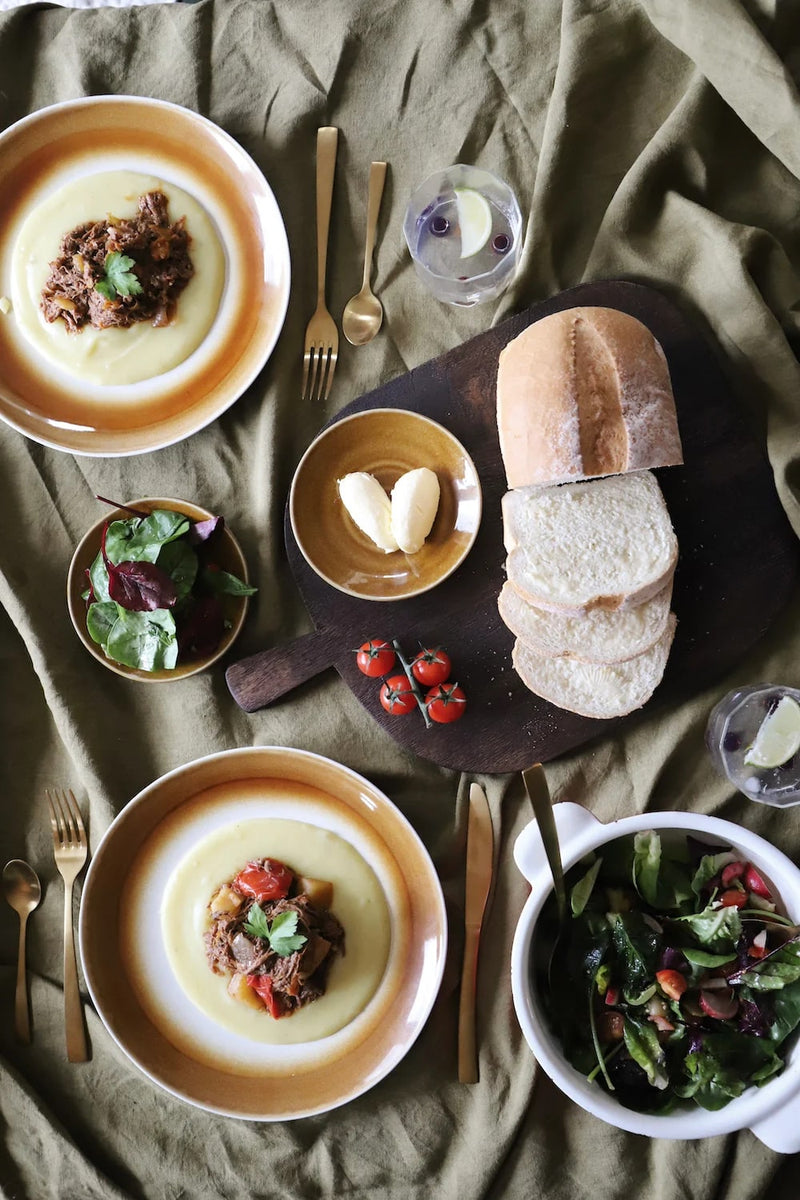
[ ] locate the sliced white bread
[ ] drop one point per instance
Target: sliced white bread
(601, 635)
(595, 689)
(601, 543)
(583, 393)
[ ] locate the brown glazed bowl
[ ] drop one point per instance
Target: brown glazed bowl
(133, 985)
(96, 134)
(227, 551)
(385, 442)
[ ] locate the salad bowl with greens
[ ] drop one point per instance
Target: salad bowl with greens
(158, 589)
(668, 1002)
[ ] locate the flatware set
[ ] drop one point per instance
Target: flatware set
(363, 314)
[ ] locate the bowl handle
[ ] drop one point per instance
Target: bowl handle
(780, 1131)
(573, 822)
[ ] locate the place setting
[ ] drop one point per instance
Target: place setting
(507, 554)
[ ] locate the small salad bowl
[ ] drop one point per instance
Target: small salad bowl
(227, 555)
(772, 1111)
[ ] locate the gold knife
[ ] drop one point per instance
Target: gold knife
(480, 854)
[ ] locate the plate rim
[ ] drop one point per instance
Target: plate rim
(260, 360)
(392, 1058)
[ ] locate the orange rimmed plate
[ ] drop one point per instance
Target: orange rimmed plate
(91, 136)
(139, 998)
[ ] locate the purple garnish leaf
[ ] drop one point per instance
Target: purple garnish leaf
(136, 512)
(140, 586)
(201, 531)
(90, 596)
(200, 630)
(695, 1040)
(754, 1018)
(673, 960)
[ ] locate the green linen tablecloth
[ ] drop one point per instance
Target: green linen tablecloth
(653, 139)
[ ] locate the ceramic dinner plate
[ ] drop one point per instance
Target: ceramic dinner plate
(132, 977)
(384, 442)
(58, 145)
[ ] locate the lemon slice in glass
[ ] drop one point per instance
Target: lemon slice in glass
(474, 220)
(778, 737)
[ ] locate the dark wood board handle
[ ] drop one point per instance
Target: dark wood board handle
(262, 678)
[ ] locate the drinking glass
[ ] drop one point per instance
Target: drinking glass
(731, 730)
(436, 239)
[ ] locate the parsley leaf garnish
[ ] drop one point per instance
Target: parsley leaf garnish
(280, 933)
(119, 279)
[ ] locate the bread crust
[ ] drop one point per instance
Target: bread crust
(584, 393)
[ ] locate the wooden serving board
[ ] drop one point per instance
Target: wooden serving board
(739, 559)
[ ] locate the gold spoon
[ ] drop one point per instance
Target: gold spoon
(363, 314)
(23, 892)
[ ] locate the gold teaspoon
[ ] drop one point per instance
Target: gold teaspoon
(363, 314)
(23, 891)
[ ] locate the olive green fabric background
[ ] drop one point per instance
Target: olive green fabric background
(657, 140)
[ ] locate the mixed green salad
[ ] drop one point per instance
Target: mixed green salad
(676, 977)
(155, 590)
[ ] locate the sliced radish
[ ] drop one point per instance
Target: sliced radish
(718, 1004)
(732, 872)
(754, 883)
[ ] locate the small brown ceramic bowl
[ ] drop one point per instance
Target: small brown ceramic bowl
(227, 553)
(385, 442)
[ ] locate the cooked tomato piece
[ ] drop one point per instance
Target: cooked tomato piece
(672, 983)
(733, 898)
(262, 984)
(264, 880)
(431, 667)
(375, 658)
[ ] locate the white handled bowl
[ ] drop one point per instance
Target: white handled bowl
(772, 1112)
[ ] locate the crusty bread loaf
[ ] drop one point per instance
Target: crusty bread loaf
(595, 689)
(605, 542)
(601, 635)
(584, 393)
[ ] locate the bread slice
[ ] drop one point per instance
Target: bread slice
(601, 635)
(602, 543)
(584, 393)
(595, 689)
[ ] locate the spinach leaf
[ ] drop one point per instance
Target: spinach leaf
(145, 640)
(785, 1006)
(179, 561)
(579, 896)
(100, 618)
(727, 1063)
(221, 582)
(637, 949)
(140, 539)
(641, 1042)
(646, 863)
(98, 577)
(717, 928)
(702, 958)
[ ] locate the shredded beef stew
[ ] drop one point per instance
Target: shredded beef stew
(158, 252)
(277, 948)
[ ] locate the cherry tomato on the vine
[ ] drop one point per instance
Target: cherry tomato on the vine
(445, 703)
(431, 666)
(397, 697)
(375, 658)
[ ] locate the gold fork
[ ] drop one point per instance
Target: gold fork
(70, 847)
(322, 336)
